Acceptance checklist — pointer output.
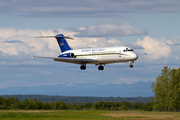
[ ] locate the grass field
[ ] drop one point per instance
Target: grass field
(86, 115)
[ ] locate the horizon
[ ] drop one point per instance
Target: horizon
(137, 89)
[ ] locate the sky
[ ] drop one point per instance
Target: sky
(151, 28)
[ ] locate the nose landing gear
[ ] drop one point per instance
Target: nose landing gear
(131, 66)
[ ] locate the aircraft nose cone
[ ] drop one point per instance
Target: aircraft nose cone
(135, 56)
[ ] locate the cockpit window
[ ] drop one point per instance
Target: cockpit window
(127, 50)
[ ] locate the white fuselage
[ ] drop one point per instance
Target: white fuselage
(105, 55)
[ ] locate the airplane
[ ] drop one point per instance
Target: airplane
(97, 56)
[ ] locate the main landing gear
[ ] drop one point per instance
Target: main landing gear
(83, 67)
(101, 67)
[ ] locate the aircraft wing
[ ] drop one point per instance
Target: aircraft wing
(70, 60)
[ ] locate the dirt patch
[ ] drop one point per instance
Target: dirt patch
(145, 115)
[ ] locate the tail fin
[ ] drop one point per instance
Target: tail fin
(62, 42)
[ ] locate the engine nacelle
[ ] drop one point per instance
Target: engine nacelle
(72, 55)
(69, 55)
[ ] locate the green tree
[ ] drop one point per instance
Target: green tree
(61, 105)
(26, 104)
(127, 104)
(174, 93)
(101, 105)
(47, 106)
(73, 106)
(37, 104)
(10, 103)
(138, 105)
(167, 90)
(124, 107)
(87, 105)
(161, 89)
(148, 106)
(1, 102)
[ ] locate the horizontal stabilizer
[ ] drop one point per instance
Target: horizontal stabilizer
(54, 37)
(61, 39)
(44, 57)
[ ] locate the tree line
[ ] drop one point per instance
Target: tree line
(29, 104)
(79, 99)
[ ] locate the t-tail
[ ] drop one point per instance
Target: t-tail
(62, 43)
(61, 39)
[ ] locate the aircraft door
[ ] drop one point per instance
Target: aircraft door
(119, 53)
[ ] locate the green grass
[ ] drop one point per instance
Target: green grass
(51, 115)
(85, 115)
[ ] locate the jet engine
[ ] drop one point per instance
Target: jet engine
(69, 55)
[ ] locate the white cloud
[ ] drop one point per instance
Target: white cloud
(20, 46)
(113, 41)
(69, 84)
(80, 42)
(82, 28)
(27, 43)
(169, 42)
(124, 29)
(126, 80)
(14, 41)
(156, 48)
(174, 41)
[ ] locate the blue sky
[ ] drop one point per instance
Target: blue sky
(151, 28)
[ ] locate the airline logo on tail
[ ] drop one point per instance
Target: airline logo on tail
(62, 43)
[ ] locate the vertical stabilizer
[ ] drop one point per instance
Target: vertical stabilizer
(62, 43)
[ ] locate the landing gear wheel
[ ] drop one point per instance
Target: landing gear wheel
(131, 66)
(83, 67)
(101, 68)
